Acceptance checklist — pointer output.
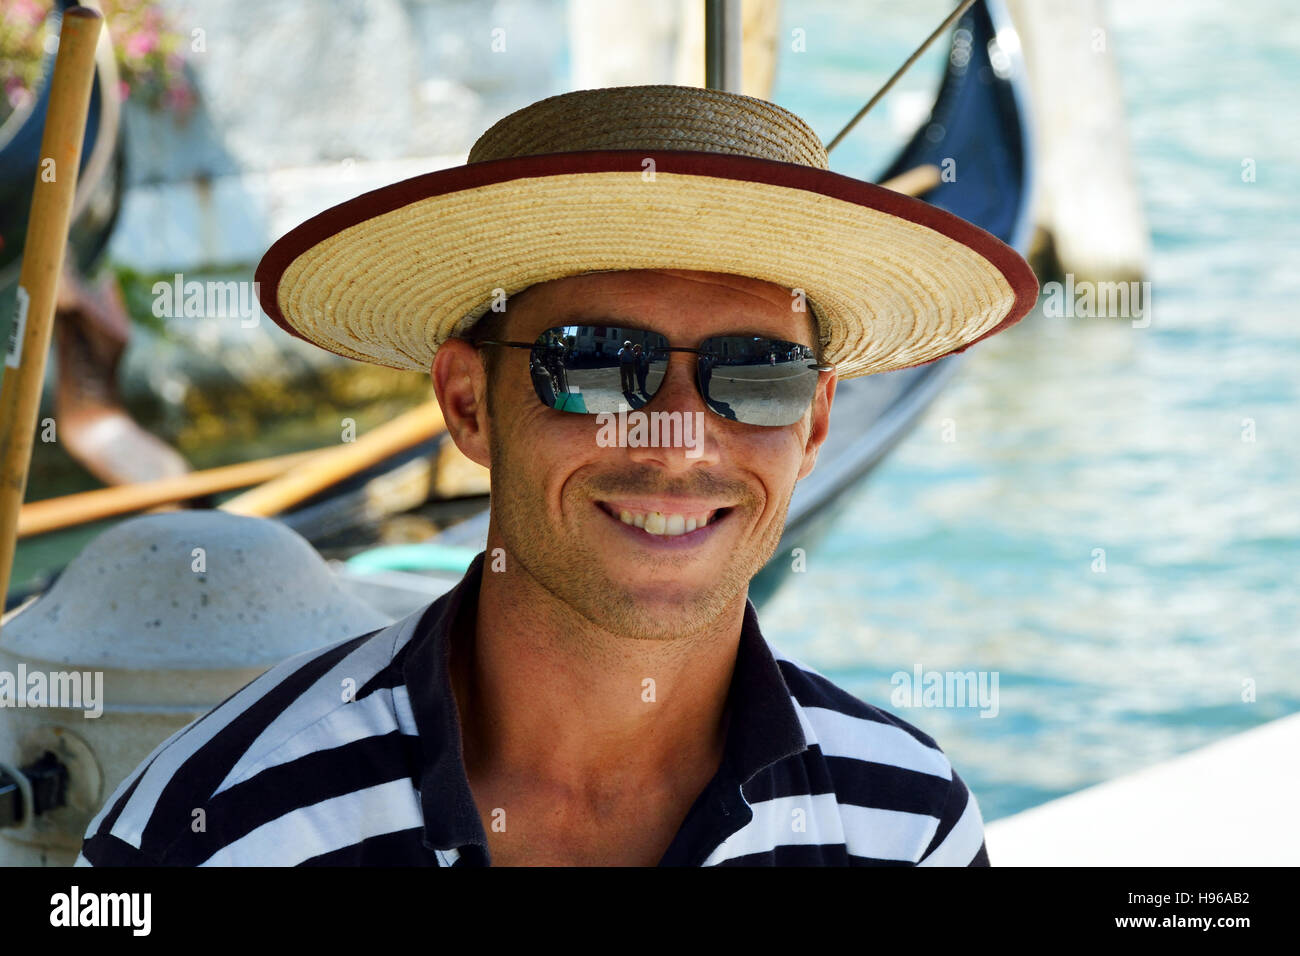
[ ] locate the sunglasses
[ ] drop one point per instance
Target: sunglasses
(593, 369)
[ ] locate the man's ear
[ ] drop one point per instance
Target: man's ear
(460, 383)
(820, 424)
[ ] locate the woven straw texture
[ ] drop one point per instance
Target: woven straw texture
(389, 286)
(653, 118)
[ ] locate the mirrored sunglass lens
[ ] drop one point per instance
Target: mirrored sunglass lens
(757, 380)
(592, 369)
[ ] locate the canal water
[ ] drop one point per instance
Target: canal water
(1113, 528)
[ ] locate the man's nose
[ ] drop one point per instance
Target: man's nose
(687, 438)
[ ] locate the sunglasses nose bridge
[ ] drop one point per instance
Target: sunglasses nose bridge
(678, 389)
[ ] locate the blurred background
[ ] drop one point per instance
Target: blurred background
(1103, 510)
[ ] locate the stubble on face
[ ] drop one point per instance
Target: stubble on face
(556, 553)
(568, 569)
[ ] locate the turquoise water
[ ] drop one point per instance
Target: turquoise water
(1081, 434)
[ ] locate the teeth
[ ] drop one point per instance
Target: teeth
(660, 523)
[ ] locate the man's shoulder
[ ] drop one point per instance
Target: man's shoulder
(886, 774)
(288, 738)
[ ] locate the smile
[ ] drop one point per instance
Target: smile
(664, 521)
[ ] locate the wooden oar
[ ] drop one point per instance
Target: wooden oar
(66, 511)
(916, 181)
(43, 253)
(329, 467)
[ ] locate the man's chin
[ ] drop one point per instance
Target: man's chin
(664, 600)
(660, 613)
(610, 575)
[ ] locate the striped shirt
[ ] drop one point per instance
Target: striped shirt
(351, 755)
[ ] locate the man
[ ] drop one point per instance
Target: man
(596, 690)
(642, 369)
(626, 367)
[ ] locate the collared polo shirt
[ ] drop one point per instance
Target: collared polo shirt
(351, 755)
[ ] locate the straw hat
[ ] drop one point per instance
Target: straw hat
(643, 177)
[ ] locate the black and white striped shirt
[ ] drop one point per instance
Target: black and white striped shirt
(350, 755)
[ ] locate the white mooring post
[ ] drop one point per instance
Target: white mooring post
(1087, 194)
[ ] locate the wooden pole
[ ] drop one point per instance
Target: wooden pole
(43, 252)
(722, 45)
(1087, 193)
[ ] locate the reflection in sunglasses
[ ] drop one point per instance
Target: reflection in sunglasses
(751, 379)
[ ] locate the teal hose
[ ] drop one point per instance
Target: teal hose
(426, 556)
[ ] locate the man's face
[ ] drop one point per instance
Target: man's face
(558, 494)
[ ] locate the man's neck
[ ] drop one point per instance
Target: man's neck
(546, 696)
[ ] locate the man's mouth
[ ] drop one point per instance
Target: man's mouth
(665, 521)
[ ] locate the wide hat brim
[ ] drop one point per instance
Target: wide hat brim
(894, 282)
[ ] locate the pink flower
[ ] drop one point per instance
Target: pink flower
(141, 44)
(123, 89)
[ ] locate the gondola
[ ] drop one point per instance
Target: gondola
(100, 181)
(980, 120)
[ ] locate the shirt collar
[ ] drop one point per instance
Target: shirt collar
(763, 726)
